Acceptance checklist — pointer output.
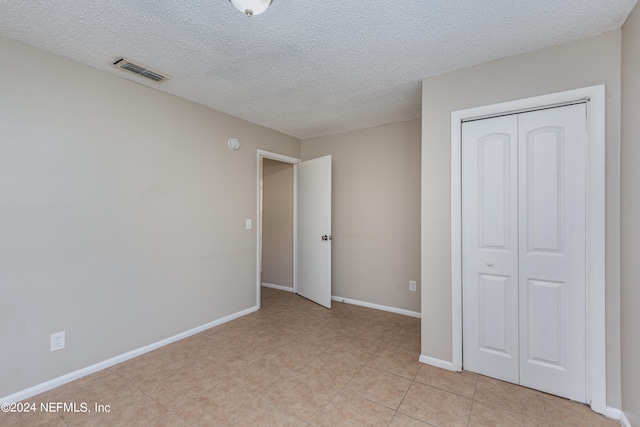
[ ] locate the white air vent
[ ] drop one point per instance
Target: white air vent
(125, 64)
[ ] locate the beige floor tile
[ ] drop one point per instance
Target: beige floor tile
(217, 406)
(279, 326)
(563, 412)
(169, 420)
(266, 292)
(404, 343)
(303, 319)
(395, 362)
(282, 305)
(294, 363)
(380, 335)
(402, 420)
(354, 329)
(156, 364)
(409, 326)
(354, 350)
(179, 388)
(510, 397)
(393, 338)
(193, 342)
(261, 414)
(435, 406)
(349, 410)
(260, 344)
(487, 416)
(231, 329)
(332, 370)
(104, 389)
(295, 355)
(139, 410)
(302, 396)
(379, 386)
(227, 362)
(318, 335)
(200, 348)
(260, 377)
(31, 419)
(463, 383)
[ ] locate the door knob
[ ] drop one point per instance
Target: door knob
(489, 264)
(325, 237)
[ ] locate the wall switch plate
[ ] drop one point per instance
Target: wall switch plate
(412, 285)
(57, 341)
(248, 224)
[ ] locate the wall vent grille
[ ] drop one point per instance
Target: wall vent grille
(125, 64)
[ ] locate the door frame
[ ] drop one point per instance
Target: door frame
(262, 154)
(594, 96)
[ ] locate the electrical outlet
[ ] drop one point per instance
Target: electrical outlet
(412, 285)
(57, 341)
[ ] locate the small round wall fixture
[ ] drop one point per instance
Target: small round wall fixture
(233, 143)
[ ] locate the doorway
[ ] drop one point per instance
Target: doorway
(282, 160)
(277, 225)
(311, 276)
(594, 97)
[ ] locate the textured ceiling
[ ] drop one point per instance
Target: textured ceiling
(305, 68)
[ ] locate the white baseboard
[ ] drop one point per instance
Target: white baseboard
(278, 287)
(72, 376)
(612, 413)
(623, 419)
(377, 306)
(438, 363)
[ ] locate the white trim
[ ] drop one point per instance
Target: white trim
(285, 159)
(596, 331)
(72, 376)
(613, 413)
(596, 295)
(278, 287)
(438, 363)
(456, 242)
(623, 419)
(278, 157)
(295, 227)
(377, 306)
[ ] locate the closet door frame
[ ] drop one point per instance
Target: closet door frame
(594, 96)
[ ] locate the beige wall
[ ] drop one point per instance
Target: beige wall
(122, 215)
(376, 212)
(583, 63)
(630, 219)
(277, 223)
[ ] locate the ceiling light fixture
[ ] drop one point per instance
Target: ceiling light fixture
(251, 7)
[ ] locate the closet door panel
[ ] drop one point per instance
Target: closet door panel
(552, 269)
(490, 231)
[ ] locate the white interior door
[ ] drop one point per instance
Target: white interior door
(552, 214)
(524, 249)
(490, 247)
(314, 230)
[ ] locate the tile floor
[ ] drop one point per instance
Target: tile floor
(294, 363)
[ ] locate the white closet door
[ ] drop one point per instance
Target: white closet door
(524, 249)
(552, 279)
(490, 247)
